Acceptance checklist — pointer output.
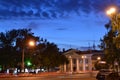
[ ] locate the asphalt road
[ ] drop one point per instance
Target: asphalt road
(57, 77)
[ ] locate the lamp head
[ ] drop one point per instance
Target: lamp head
(111, 10)
(31, 43)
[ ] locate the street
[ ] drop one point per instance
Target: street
(51, 77)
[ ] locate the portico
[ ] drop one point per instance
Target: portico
(79, 62)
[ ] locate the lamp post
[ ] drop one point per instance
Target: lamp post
(115, 23)
(30, 43)
(111, 11)
(115, 18)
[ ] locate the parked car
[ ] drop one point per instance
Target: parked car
(103, 73)
(113, 76)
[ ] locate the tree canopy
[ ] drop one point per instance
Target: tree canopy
(44, 54)
(111, 46)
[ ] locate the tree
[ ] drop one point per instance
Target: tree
(44, 54)
(110, 45)
(48, 55)
(11, 44)
(7, 51)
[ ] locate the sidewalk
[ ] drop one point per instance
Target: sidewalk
(31, 74)
(44, 74)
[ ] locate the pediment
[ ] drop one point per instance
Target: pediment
(71, 53)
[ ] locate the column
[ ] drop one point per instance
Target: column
(71, 65)
(83, 64)
(90, 64)
(77, 61)
(65, 67)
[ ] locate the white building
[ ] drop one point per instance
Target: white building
(79, 61)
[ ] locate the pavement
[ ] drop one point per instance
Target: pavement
(41, 74)
(31, 74)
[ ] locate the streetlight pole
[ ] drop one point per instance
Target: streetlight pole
(115, 23)
(30, 43)
(23, 52)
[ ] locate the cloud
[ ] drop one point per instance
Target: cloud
(33, 25)
(61, 29)
(51, 8)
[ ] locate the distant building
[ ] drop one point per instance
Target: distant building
(80, 61)
(97, 55)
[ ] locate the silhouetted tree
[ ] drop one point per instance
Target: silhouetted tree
(44, 54)
(48, 55)
(110, 45)
(11, 44)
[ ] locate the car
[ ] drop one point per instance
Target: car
(113, 76)
(103, 73)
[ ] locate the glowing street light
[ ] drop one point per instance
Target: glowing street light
(115, 23)
(115, 18)
(98, 58)
(111, 11)
(30, 43)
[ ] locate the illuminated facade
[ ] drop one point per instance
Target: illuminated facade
(78, 61)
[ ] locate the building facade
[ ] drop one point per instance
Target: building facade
(79, 61)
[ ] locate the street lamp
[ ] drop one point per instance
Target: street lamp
(30, 43)
(111, 11)
(98, 58)
(115, 23)
(115, 18)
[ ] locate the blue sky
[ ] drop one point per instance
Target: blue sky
(67, 23)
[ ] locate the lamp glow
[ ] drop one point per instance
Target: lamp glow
(31, 43)
(111, 11)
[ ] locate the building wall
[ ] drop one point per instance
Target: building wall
(78, 64)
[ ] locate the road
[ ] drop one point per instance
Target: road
(57, 77)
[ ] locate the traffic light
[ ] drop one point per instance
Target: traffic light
(29, 63)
